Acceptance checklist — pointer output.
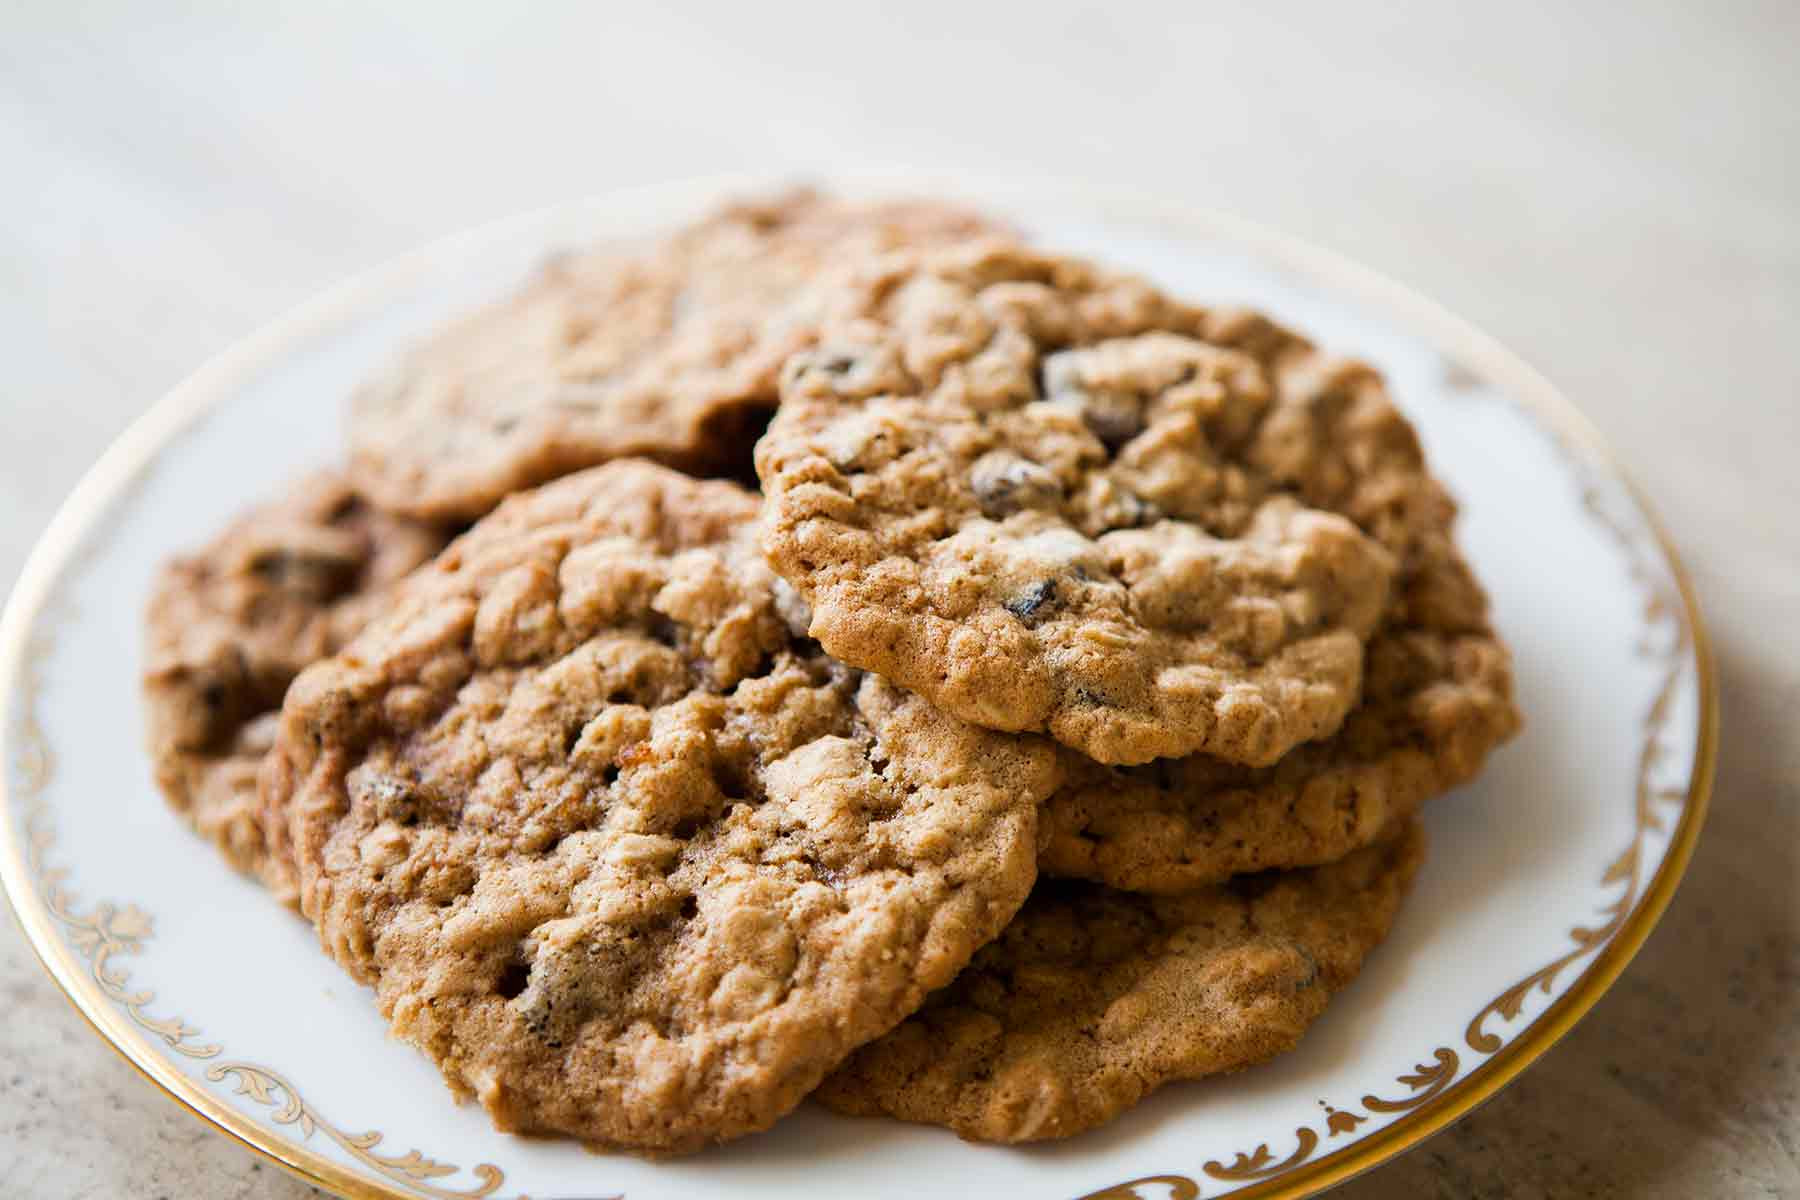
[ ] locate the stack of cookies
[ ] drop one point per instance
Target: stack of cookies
(838, 650)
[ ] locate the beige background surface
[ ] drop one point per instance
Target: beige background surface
(1611, 189)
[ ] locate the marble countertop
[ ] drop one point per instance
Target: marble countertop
(1618, 200)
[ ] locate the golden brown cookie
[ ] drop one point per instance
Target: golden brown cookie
(624, 854)
(1048, 497)
(1437, 698)
(668, 351)
(1094, 998)
(229, 627)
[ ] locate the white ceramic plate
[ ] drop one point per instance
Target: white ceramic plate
(1544, 877)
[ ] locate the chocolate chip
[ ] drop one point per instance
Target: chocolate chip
(306, 571)
(347, 506)
(1115, 417)
(849, 371)
(1004, 483)
(1025, 606)
(1108, 504)
(392, 799)
(404, 802)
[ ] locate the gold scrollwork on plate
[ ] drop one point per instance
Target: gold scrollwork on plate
(411, 1168)
(1260, 1164)
(103, 934)
(1426, 1081)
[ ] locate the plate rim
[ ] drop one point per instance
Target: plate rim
(57, 548)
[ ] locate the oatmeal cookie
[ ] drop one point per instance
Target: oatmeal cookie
(668, 351)
(621, 851)
(229, 627)
(1437, 698)
(1047, 497)
(1094, 998)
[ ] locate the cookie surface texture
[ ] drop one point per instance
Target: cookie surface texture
(229, 627)
(667, 349)
(623, 853)
(1094, 998)
(1047, 497)
(1437, 699)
